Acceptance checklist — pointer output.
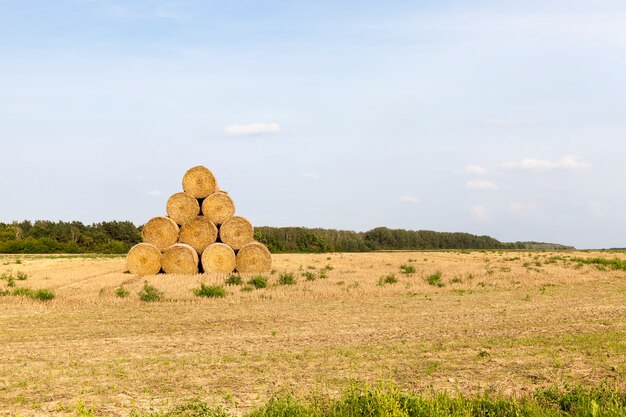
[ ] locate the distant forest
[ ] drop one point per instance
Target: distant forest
(117, 237)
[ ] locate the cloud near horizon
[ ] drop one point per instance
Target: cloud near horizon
(252, 129)
(408, 199)
(481, 185)
(566, 163)
(476, 170)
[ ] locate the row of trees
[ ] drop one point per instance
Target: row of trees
(118, 237)
(68, 237)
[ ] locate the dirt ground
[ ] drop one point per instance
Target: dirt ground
(494, 322)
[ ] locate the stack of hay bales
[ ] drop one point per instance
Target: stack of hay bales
(200, 233)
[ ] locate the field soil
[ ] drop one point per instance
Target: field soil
(501, 323)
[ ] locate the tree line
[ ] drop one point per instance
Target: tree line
(117, 237)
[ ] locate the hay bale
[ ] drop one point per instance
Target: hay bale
(198, 233)
(160, 231)
(144, 259)
(218, 207)
(182, 207)
(236, 232)
(254, 258)
(199, 182)
(219, 258)
(180, 259)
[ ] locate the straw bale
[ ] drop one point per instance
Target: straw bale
(236, 232)
(219, 258)
(199, 182)
(198, 233)
(144, 259)
(182, 207)
(218, 207)
(254, 258)
(160, 231)
(180, 259)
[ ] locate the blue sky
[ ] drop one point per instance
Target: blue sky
(490, 117)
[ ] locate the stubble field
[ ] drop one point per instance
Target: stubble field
(503, 323)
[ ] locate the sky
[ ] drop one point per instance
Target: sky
(500, 118)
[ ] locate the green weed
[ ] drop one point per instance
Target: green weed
(149, 293)
(233, 280)
(286, 279)
(435, 279)
(210, 291)
(258, 282)
(121, 292)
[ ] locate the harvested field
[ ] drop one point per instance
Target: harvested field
(464, 322)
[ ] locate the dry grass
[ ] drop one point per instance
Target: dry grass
(501, 322)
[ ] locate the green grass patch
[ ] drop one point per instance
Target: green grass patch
(407, 269)
(233, 280)
(258, 282)
(309, 276)
(384, 400)
(286, 279)
(149, 293)
(389, 279)
(435, 279)
(41, 295)
(210, 291)
(615, 263)
(121, 292)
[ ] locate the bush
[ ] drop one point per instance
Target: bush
(258, 282)
(287, 279)
(233, 280)
(407, 269)
(149, 293)
(21, 276)
(389, 279)
(42, 295)
(122, 292)
(435, 279)
(309, 276)
(210, 291)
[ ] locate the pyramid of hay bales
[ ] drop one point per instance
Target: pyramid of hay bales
(200, 233)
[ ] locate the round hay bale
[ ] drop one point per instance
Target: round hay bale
(160, 231)
(180, 259)
(254, 258)
(182, 207)
(199, 182)
(218, 207)
(144, 259)
(236, 232)
(198, 233)
(219, 258)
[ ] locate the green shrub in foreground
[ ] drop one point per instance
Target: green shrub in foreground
(210, 291)
(384, 400)
(121, 292)
(42, 294)
(435, 279)
(286, 279)
(258, 282)
(149, 293)
(233, 280)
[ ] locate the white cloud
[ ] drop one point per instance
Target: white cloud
(481, 185)
(408, 199)
(252, 129)
(568, 163)
(475, 170)
(523, 209)
(479, 213)
(311, 175)
(154, 193)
